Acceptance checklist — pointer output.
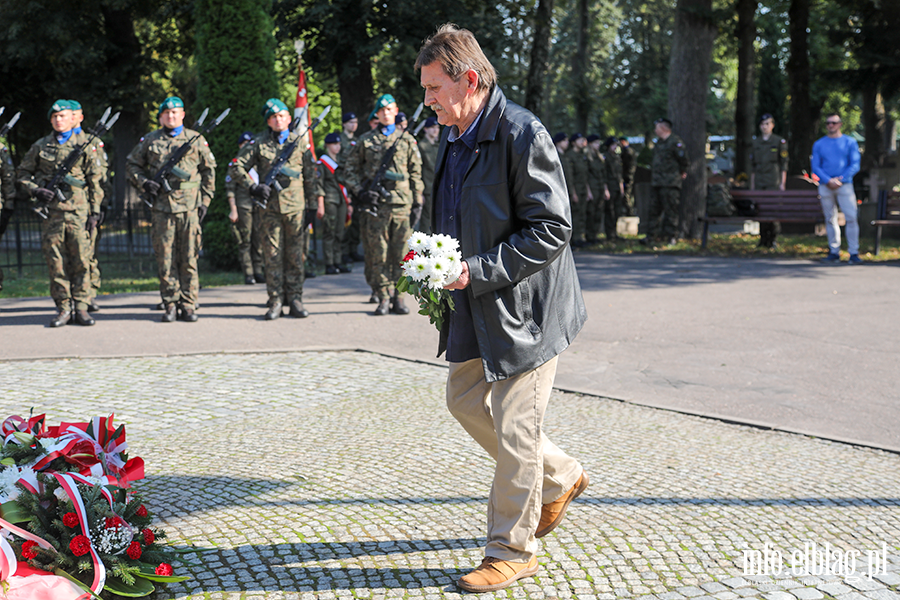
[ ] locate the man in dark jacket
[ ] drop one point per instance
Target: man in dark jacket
(499, 189)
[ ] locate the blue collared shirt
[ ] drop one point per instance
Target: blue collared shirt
(462, 345)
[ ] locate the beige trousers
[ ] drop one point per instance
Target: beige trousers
(506, 418)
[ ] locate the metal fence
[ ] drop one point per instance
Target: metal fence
(124, 239)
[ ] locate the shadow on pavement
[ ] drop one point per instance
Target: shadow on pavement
(616, 271)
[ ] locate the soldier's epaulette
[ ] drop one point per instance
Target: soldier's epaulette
(783, 141)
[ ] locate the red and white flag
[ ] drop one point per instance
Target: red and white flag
(302, 103)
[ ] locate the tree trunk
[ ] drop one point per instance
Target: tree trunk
(874, 122)
(540, 57)
(581, 93)
(802, 132)
(744, 113)
(692, 45)
(356, 87)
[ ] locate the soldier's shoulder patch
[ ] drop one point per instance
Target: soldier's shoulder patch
(228, 179)
(205, 143)
(783, 141)
(678, 145)
(101, 144)
(234, 160)
(754, 137)
(352, 143)
(142, 139)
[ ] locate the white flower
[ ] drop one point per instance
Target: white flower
(61, 494)
(440, 268)
(418, 242)
(418, 268)
(455, 268)
(48, 442)
(8, 478)
(443, 244)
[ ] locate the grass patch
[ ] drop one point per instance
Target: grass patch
(118, 278)
(745, 245)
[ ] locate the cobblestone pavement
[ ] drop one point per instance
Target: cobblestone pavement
(341, 475)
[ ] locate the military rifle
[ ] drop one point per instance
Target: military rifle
(10, 124)
(374, 185)
(271, 178)
(161, 178)
(61, 176)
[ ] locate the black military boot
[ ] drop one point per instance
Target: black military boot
(188, 315)
(83, 318)
(62, 318)
(93, 307)
(297, 310)
(384, 305)
(274, 310)
(398, 307)
(171, 313)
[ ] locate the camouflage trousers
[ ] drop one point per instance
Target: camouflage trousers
(768, 232)
(579, 216)
(247, 232)
(333, 232)
(628, 201)
(96, 279)
(66, 246)
(353, 233)
(664, 203)
(593, 214)
(387, 234)
(362, 218)
(176, 242)
(284, 248)
(612, 209)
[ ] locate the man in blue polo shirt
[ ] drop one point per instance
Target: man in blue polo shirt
(835, 161)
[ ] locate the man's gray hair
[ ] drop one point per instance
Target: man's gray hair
(457, 51)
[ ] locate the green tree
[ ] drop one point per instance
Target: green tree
(235, 68)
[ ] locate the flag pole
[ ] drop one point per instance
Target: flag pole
(301, 105)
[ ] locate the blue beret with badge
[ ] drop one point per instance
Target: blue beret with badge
(245, 137)
(333, 138)
(384, 100)
(575, 136)
(170, 102)
(273, 106)
(430, 122)
(59, 106)
(559, 137)
(347, 116)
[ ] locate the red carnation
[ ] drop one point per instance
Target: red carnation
(28, 550)
(165, 569)
(70, 519)
(409, 256)
(114, 522)
(134, 550)
(148, 536)
(142, 511)
(80, 545)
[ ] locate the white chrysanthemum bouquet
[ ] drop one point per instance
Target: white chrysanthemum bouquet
(433, 261)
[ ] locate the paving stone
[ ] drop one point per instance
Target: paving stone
(340, 475)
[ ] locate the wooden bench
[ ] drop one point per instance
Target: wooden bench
(773, 206)
(887, 213)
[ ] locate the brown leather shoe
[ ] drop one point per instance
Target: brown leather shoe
(552, 514)
(495, 574)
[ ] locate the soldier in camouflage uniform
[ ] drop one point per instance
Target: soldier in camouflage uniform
(283, 221)
(596, 177)
(390, 229)
(66, 232)
(352, 235)
(176, 215)
(629, 166)
(7, 193)
(428, 149)
(668, 169)
(245, 222)
(333, 205)
(613, 190)
(102, 165)
(579, 193)
(561, 141)
(768, 171)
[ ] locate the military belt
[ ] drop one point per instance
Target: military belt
(187, 185)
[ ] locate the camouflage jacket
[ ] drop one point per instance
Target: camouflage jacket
(297, 176)
(7, 179)
(328, 181)
(194, 179)
(578, 162)
(365, 159)
(347, 144)
(613, 170)
(428, 152)
(768, 160)
(669, 162)
(81, 186)
(567, 172)
(102, 165)
(240, 193)
(596, 171)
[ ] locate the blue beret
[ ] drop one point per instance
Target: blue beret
(347, 117)
(610, 140)
(593, 138)
(431, 122)
(273, 106)
(170, 102)
(384, 100)
(401, 116)
(333, 138)
(59, 106)
(575, 136)
(559, 137)
(245, 137)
